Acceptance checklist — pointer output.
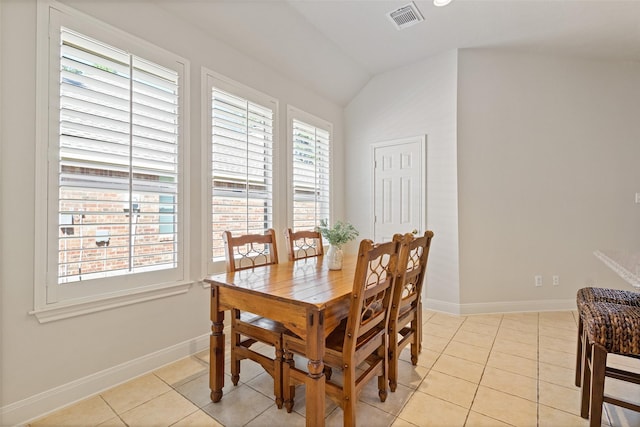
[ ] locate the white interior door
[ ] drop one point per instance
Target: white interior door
(399, 170)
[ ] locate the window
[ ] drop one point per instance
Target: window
(242, 144)
(114, 183)
(310, 170)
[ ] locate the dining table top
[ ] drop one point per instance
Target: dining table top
(305, 282)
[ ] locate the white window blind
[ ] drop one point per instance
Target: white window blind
(241, 167)
(310, 175)
(118, 162)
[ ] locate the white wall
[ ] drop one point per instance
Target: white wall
(532, 165)
(548, 152)
(415, 100)
(44, 366)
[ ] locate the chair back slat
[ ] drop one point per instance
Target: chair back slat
(409, 287)
(303, 244)
(373, 284)
(250, 250)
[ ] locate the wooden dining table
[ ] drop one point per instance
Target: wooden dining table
(304, 295)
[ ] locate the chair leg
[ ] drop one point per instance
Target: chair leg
(415, 345)
(579, 353)
(235, 343)
(393, 363)
(586, 376)
(419, 327)
(278, 375)
(288, 389)
(598, 371)
(384, 378)
(349, 405)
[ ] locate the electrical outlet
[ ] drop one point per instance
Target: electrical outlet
(538, 280)
(556, 280)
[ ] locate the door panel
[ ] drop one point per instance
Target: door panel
(398, 188)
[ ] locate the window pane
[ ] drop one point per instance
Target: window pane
(241, 168)
(118, 154)
(310, 175)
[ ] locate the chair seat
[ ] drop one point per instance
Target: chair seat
(616, 296)
(335, 340)
(615, 327)
(405, 311)
(263, 323)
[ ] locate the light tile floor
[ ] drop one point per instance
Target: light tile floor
(482, 370)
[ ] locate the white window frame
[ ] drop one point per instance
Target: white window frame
(211, 79)
(50, 301)
(303, 116)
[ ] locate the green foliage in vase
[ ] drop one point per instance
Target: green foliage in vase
(339, 234)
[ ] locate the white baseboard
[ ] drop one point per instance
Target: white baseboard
(500, 307)
(48, 401)
(442, 306)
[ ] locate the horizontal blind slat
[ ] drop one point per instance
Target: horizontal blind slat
(116, 153)
(310, 170)
(241, 169)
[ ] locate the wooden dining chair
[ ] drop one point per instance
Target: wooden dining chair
(242, 253)
(361, 338)
(405, 321)
(303, 244)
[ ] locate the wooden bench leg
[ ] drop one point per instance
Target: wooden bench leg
(579, 353)
(586, 377)
(598, 368)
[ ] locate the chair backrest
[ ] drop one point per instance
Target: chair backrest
(408, 290)
(303, 244)
(250, 250)
(373, 283)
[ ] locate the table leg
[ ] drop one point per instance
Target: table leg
(315, 383)
(216, 348)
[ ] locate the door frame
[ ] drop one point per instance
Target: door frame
(422, 141)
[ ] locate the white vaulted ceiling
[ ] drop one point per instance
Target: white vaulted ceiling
(335, 46)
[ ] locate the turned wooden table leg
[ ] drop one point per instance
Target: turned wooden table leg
(216, 349)
(315, 381)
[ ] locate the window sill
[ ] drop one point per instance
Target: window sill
(65, 310)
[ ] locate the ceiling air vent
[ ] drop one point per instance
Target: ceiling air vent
(405, 16)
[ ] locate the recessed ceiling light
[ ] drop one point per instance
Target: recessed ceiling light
(441, 3)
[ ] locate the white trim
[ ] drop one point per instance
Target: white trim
(205, 167)
(500, 306)
(47, 293)
(73, 308)
(51, 400)
(442, 306)
(209, 80)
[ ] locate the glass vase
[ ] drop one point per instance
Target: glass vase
(334, 257)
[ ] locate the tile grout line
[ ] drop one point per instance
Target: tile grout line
(413, 392)
(538, 379)
(113, 409)
(483, 371)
